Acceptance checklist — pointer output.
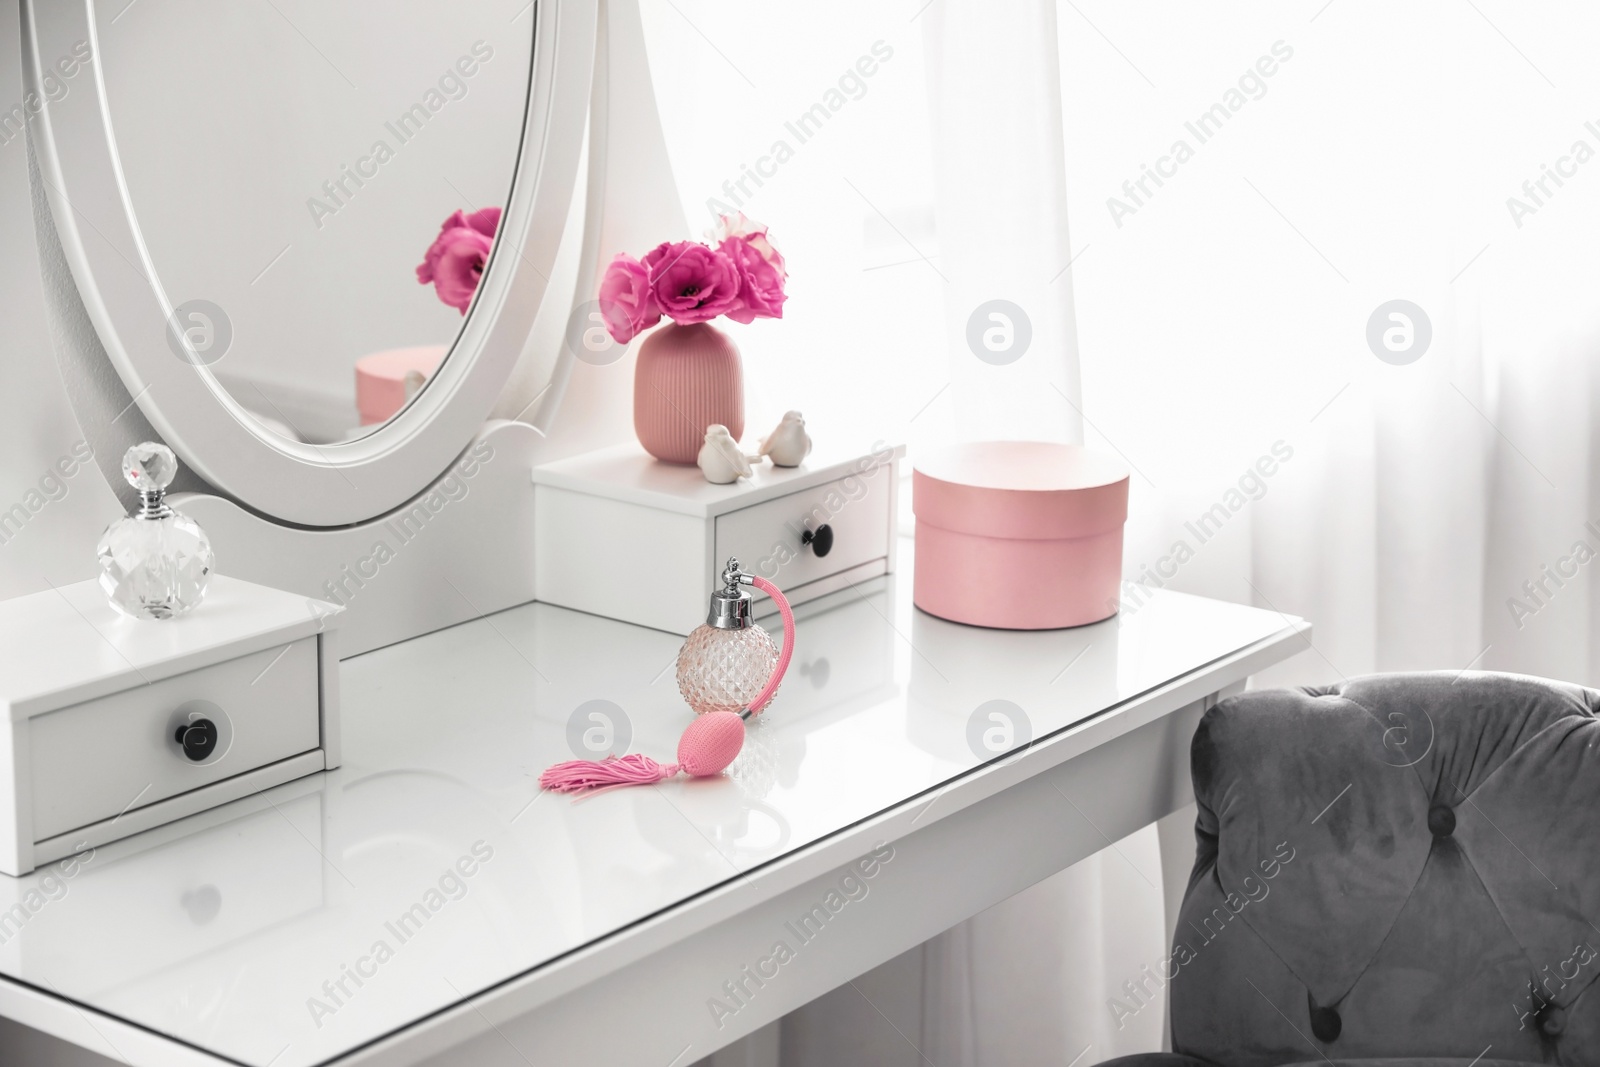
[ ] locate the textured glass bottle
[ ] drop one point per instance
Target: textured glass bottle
(154, 564)
(726, 662)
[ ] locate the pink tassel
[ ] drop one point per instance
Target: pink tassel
(574, 776)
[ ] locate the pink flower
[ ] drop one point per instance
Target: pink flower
(692, 283)
(454, 262)
(762, 272)
(627, 303)
(761, 278)
(755, 233)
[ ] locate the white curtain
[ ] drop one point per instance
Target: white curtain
(1027, 981)
(1389, 157)
(999, 176)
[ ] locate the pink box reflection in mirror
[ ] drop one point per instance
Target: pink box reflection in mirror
(1018, 535)
(386, 380)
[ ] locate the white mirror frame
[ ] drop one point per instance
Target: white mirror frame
(285, 481)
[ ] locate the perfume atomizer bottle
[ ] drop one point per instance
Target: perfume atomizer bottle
(725, 662)
(728, 671)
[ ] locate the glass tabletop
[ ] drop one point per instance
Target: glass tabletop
(288, 928)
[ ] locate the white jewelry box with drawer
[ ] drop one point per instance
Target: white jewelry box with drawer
(620, 534)
(97, 706)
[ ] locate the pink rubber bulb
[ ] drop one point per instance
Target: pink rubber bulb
(711, 743)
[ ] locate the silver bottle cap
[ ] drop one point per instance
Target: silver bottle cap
(730, 605)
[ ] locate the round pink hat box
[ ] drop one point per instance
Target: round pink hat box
(1018, 535)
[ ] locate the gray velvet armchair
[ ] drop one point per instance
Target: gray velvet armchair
(1403, 869)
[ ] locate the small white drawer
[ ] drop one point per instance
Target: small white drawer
(847, 522)
(106, 757)
(92, 702)
(622, 535)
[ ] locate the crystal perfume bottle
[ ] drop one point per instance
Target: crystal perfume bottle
(154, 564)
(726, 662)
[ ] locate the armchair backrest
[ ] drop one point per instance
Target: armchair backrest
(1400, 865)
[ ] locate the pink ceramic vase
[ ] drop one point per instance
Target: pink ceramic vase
(686, 378)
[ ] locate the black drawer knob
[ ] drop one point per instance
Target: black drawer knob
(198, 738)
(820, 539)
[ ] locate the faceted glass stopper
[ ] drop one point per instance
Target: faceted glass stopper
(723, 670)
(153, 564)
(149, 466)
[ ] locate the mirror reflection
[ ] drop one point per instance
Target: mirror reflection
(318, 187)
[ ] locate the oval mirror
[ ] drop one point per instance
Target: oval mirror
(290, 169)
(312, 237)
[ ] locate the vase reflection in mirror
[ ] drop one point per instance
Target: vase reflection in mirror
(154, 564)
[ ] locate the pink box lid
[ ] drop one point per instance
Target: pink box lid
(1032, 490)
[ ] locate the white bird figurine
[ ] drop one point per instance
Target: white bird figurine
(720, 459)
(788, 444)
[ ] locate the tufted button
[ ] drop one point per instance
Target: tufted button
(1552, 1020)
(1442, 820)
(1326, 1024)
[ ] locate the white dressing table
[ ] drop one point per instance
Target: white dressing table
(423, 903)
(547, 931)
